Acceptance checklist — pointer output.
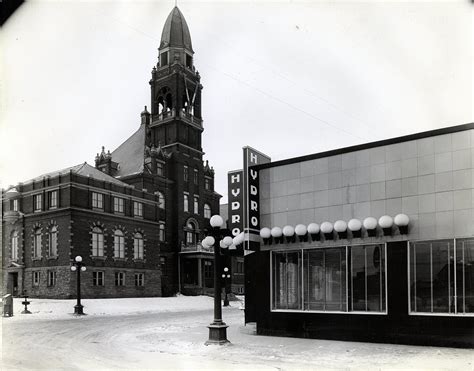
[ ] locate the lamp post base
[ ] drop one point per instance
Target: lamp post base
(78, 310)
(26, 311)
(217, 334)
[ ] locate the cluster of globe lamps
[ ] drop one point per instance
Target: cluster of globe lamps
(386, 222)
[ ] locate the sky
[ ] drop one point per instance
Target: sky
(287, 78)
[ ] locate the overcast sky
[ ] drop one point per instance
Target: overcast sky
(287, 78)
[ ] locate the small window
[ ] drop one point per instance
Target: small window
(37, 243)
(97, 200)
(164, 59)
(14, 242)
(207, 211)
(51, 278)
(137, 209)
(185, 173)
(196, 205)
(53, 242)
(160, 168)
(138, 246)
(196, 176)
(97, 242)
(207, 183)
(161, 200)
(118, 205)
(15, 206)
(161, 235)
(119, 244)
(186, 203)
(189, 61)
(53, 199)
(208, 269)
(119, 279)
(98, 278)
(139, 279)
(240, 267)
(36, 278)
(38, 202)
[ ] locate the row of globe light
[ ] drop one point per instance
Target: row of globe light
(340, 226)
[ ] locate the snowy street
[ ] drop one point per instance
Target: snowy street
(169, 333)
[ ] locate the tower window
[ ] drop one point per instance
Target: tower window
(189, 61)
(164, 59)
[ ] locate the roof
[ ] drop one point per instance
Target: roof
(83, 169)
(130, 155)
(176, 32)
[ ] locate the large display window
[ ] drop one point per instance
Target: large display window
(441, 276)
(340, 279)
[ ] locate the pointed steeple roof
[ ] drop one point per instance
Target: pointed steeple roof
(176, 32)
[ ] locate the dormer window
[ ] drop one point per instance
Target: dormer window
(164, 59)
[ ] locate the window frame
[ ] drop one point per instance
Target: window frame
(119, 205)
(53, 238)
(186, 202)
(196, 204)
(138, 246)
(185, 173)
(207, 211)
(138, 209)
(14, 239)
(443, 314)
(348, 277)
(36, 278)
(162, 232)
(139, 279)
(97, 201)
(119, 279)
(37, 243)
(52, 278)
(38, 202)
(53, 199)
(119, 244)
(16, 204)
(98, 278)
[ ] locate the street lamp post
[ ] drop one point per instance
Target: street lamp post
(218, 328)
(78, 266)
(226, 277)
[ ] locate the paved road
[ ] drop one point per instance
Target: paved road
(176, 341)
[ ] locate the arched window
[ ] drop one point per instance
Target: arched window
(119, 244)
(138, 246)
(37, 243)
(191, 232)
(15, 246)
(161, 200)
(97, 242)
(207, 211)
(53, 241)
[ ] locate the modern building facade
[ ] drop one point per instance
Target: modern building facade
(166, 191)
(369, 243)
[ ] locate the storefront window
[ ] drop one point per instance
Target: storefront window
(325, 279)
(437, 284)
(368, 278)
(287, 280)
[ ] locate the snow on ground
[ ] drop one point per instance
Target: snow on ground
(54, 309)
(170, 334)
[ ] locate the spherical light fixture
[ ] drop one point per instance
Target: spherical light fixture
(313, 230)
(386, 223)
(216, 221)
(301, 230)
(265, 232)
(355, 226)
(276, 232)
(370, 224)
(73, 268)
(78, 259)
(327, 229)
(340, 226)
(227, 241)
(83, 269)
(288, 230)
(402, 221)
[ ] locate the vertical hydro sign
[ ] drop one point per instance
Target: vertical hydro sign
(252, 157)
(235, 201)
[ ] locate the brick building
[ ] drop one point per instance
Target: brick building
(138, 217)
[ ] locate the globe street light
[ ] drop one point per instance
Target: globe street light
(218, 328)
(78, 267)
